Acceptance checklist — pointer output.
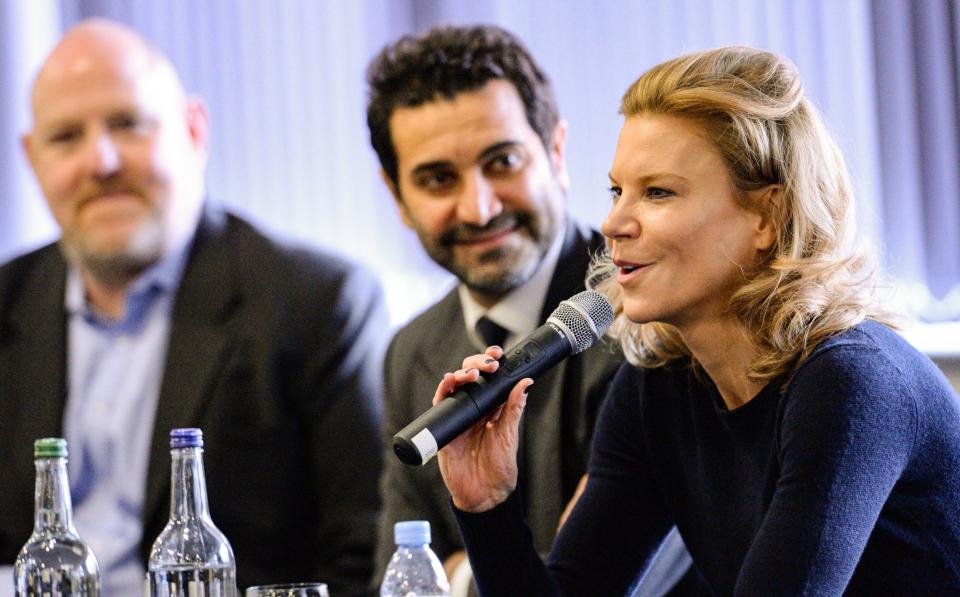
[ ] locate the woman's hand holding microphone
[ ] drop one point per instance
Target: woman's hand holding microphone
(480, 466)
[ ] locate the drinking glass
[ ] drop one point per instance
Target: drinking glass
(300, 589)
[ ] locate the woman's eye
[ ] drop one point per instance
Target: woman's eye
(659, 193)
(615, 193)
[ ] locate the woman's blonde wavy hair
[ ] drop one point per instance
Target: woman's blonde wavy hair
(815, 281)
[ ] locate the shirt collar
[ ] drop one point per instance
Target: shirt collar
(160, 279)
(519, 310)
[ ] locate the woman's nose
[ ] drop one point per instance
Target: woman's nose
(620, 222)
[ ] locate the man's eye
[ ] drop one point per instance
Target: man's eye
(63, 137)
(126, 122)
(436, 180)
(504, 163)
(615, 193)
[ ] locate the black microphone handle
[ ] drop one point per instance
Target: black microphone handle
(544, 348)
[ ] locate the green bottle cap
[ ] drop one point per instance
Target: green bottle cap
(50, 447)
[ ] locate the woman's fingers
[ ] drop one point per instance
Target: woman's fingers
(444, 388)
(516, 401)
(473, 366)
(462, 376)
(486, 362)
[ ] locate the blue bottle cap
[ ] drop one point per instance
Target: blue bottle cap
(411, 532)
(189, 437)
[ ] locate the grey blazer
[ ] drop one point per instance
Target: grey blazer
(556, 430)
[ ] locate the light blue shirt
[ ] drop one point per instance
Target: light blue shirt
(115, 368)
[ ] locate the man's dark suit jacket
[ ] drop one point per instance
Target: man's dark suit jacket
(557, 423)
(273, 353)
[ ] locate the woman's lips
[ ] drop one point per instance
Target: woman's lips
(628, 271)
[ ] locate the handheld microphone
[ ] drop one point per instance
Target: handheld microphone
(573, 327)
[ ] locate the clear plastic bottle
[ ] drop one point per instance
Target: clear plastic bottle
(191, 557)
(54, 562)
(414, 570)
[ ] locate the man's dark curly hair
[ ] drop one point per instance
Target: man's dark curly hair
(446, 61)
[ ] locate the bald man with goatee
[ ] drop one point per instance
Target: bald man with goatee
(157, 309)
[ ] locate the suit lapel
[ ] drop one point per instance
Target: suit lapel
(207, 296)
(571, 270)
(39, 345)
(542, 429)
(446, 345)
(33, 372)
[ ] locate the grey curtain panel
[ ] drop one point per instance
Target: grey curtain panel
(916, 46)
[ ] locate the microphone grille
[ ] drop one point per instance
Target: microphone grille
(585, 316)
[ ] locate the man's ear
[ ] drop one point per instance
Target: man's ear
(198, 124)
(395, 192)
(768, 205)
(557, 153)
(26, 143)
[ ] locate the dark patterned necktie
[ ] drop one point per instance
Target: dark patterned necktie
(493, 334)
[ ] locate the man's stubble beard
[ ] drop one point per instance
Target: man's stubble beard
(499, 271)
(504, 277)
(121, 263)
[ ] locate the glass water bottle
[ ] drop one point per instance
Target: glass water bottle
(54, 562)
(190, 557)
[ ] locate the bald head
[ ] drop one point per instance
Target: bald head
(118, 149)
(98, 45)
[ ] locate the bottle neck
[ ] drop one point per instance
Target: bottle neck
(188, 496)
(54, 511)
